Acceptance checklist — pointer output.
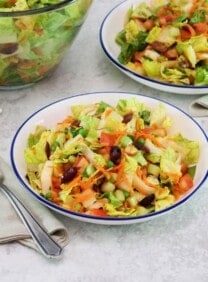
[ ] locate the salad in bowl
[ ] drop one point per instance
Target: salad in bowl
(160, 43)
(167, 40)
(113, 161)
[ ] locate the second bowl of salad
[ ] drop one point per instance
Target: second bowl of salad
(162, 44)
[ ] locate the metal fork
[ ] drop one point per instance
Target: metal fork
(43, 240)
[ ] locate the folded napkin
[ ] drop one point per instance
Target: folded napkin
(11, 227)
(199, 107)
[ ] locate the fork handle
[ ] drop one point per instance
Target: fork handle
(46, 244)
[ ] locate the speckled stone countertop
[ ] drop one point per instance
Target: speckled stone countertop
(172, 248)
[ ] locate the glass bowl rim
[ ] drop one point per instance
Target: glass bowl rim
(36, 11)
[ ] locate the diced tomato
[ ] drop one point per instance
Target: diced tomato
(171, 53)
(56, 182)
(148, 24)
(176, 191)
(185, 182)
(162, 20)
(108, 139)
(185, 35)
(166, 15)
(187, 32)
(200, 28)
(184, 169)
(98, 212)
(137, 56)
(170, 18)
(55, 195)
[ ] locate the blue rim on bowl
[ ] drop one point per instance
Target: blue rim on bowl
(39, 115)
(106, 46)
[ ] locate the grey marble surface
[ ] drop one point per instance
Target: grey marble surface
(170, 248)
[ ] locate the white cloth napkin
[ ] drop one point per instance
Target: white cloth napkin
(11, 227)
(199, 107)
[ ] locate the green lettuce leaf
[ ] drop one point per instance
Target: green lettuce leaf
(125, 106)
(7, 30)
(111, 210)
(201, 77)
(142, 11)
(114, 200)
(189, 149)
(137, 43)
(159, 117)
(152, 68)
(198, 16)
(170, 165)
(36, 154)
(153, 34)
(89, 122)
(176, 75)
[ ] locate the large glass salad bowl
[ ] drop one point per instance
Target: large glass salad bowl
(35, 36)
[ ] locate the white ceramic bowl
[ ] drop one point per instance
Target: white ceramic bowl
(114, 23)
(54, 112)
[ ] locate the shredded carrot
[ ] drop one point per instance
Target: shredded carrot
(120, 174)
(150, 137)
(103, 170)
(108, 111)
(81, 162)
(194, 7)
(89, 182)
(75, 182)
(84, 196)
(68, 119)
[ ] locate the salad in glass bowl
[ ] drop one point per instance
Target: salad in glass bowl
(35, 36)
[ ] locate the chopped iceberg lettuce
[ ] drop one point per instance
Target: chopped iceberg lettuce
(189, 149)
(125, 106)
(201, 77)
(170, 165)
(153, 34)
(142, 11)
(159, 117)
(107, 162)
(37, 153)
(151, 68)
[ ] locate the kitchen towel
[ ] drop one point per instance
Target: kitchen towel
(199, 107)
(12, 228)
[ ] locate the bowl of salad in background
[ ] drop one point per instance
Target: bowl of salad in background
(110, 158)
(35, 36)
(162, 44)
